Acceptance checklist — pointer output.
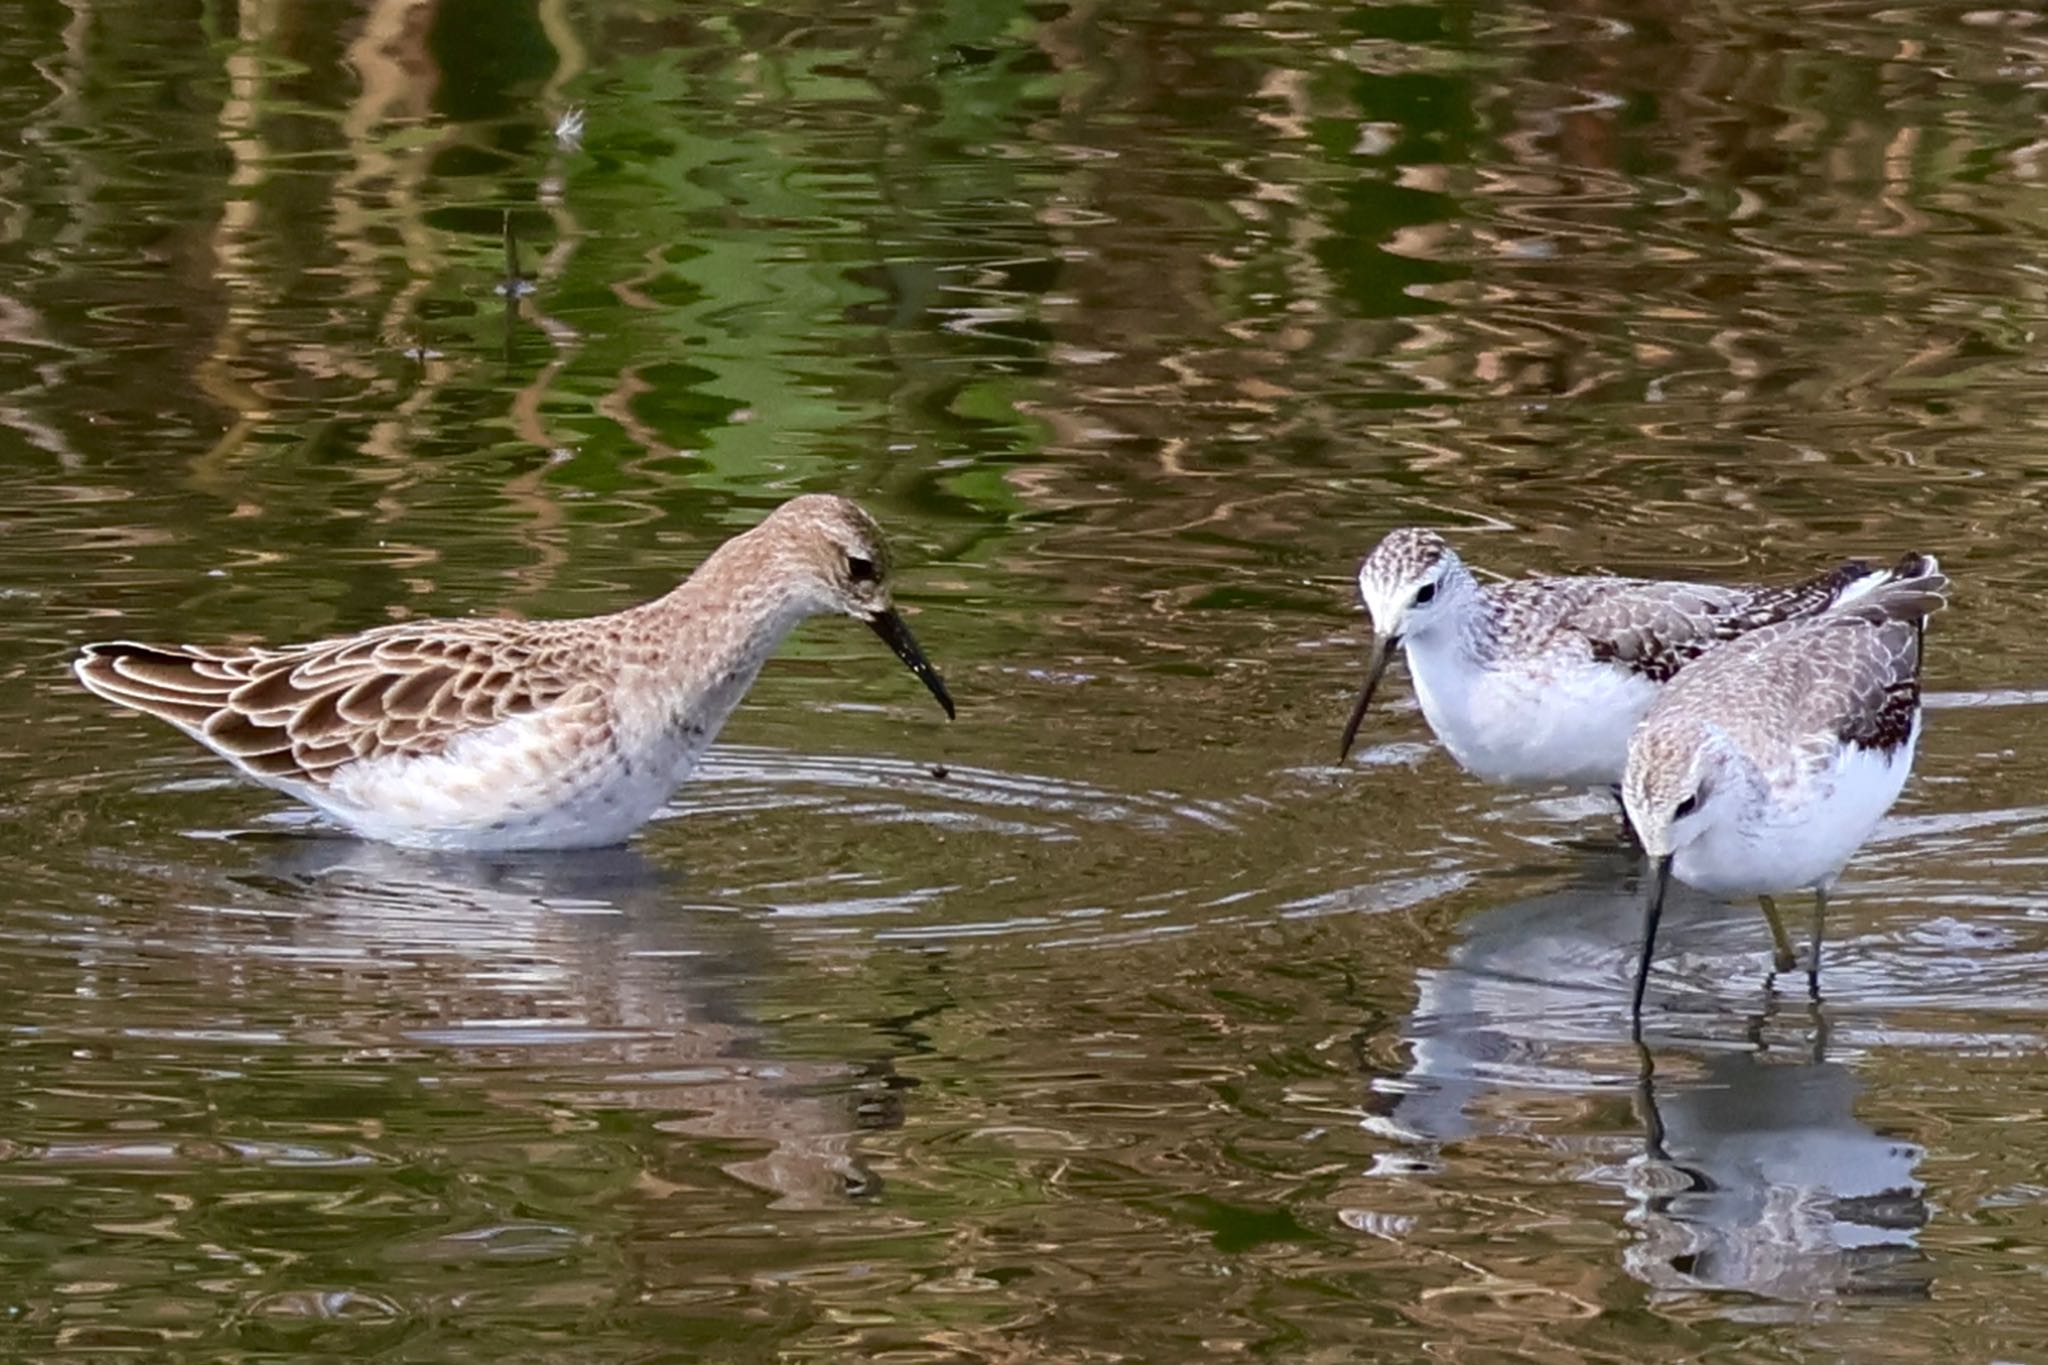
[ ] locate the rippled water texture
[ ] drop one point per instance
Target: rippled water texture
(1115, 1021)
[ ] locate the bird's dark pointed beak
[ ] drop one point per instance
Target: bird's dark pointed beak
(897, 636)
(1653, 910)
(1383, 647)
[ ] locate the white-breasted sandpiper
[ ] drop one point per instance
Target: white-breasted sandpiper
(1763, 767)
(1538, 681)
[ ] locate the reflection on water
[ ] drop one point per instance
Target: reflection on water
(590, 949)
(1137, 325)
(515, 1068)
(1751, 1172)
(1761, 1179)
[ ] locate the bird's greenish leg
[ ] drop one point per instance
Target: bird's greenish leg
(1820, 913)
(1781, 944)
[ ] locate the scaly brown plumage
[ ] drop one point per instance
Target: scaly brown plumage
(497, 734)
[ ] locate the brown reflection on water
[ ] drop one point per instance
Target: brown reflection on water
(419, 1083)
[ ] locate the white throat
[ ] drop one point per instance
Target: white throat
(1443, 659)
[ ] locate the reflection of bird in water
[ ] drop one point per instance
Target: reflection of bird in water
(1765, 766)
(1540, 680)
(583, 981)
(502, 734)
(1757, 1176)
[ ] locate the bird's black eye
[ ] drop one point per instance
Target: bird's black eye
(860, 570)
(1685, 807)
(1423, 594)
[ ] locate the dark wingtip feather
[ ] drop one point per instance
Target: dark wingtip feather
(94, 665)
(97, 659)
(121, 661)
(1916, 590)
(145, 678)
(1914, 564)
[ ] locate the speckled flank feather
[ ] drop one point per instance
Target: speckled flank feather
(1649, 627)
(1789, 693)
(517, 734)
(302, 713)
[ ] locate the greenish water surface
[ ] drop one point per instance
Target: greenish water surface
(1116, 1021)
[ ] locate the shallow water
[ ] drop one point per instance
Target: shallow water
(1115, 1021)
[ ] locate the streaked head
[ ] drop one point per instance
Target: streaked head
(1404, 575)
(837, 560)
(1674, 765)
(1408, 584)
(833, 552)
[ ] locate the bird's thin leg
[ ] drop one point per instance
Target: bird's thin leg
(1628, 829)
(1646, 1102)
(1781, 945)
(1820, 912)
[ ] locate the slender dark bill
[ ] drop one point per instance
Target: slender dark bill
(897, 636)
(1653, 910)
(1383, 647)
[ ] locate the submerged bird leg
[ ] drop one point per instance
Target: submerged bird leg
(1628, 828)
(1820, 911)
(1781, 945)
(1646, 1101)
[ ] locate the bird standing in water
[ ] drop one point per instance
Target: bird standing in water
(1542, 680)
(1765, 766)
(503, 734)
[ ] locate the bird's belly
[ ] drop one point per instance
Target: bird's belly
(1794, 844)
(518, 785)
(1570, 725)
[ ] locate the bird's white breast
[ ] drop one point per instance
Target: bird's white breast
(1530, 721)
(1795, 835)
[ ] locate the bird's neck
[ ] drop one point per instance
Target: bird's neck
(708, 638)
(1446, 661)
(1457, 639)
